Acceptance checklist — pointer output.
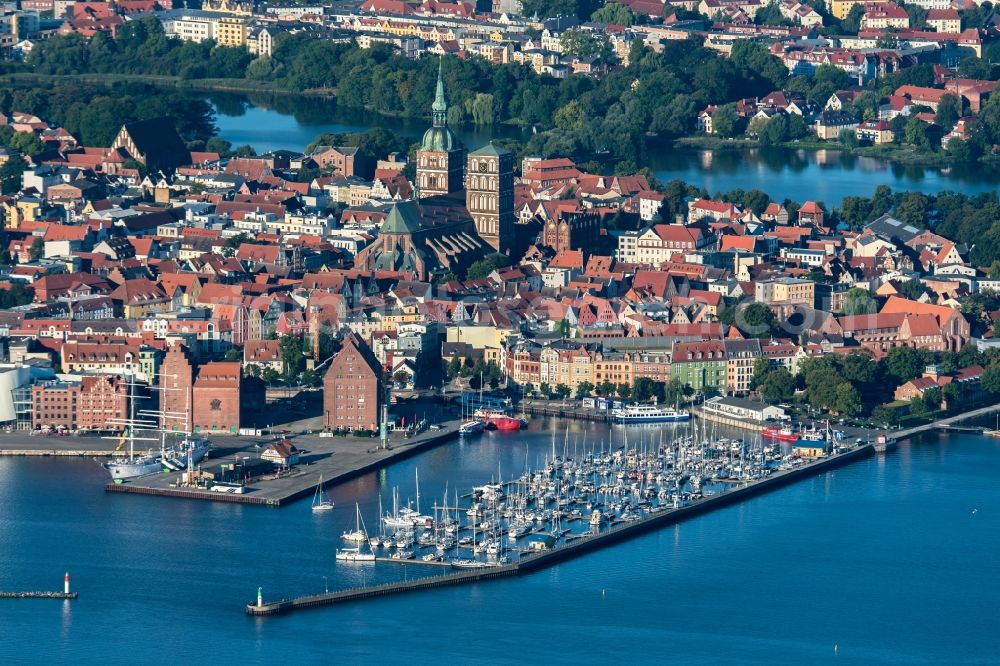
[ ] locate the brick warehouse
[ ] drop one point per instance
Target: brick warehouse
(211, 392)
(92, 403)
(352, 388)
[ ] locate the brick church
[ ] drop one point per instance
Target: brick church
(464, 207)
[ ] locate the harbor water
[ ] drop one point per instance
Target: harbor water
(889, 559)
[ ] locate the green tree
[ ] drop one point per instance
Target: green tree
(952, 395)
(584, 389)
(454, 367)
(562, 391)
(779, 386)
(916, 134)
(624, 391)
(613, 13)
(293, 359)
(545, 390)
(949, 110)
(483, 267)
(885, 416)
(775, 130)
(858, 301)
(852, 22)
(755, 319)
(27, 142)
(10, 174)
(904, 364)
(37, 249)
(859, 368)
(674, 392)
(762, 368)
(726, 122)
(643, 389)
(990, 380)
(848, 400)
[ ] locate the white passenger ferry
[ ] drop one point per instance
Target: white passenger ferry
(649, 414)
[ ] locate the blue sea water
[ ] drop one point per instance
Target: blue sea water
(887, 560)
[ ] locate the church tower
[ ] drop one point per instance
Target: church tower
(489, 195)
(439, 160)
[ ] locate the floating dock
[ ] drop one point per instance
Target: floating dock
(533, 562)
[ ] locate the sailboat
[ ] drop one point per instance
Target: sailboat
(320, 500)
(358, 535)
(133, 465)
(356, 554)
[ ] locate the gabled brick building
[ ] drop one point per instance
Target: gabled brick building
(352, 388)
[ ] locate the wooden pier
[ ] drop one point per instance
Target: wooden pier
(38, 595)
(578, 546)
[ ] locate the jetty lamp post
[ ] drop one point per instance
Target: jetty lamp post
(260, 597)
(326, 584)
(66, 583)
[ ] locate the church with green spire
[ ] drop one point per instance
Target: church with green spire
(440, 160)
(462, 212)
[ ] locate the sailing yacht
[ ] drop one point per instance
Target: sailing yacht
(131, 466)
(320, 500)
(360, 536)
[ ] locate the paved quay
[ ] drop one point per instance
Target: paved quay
(23, 444)
(336, 459)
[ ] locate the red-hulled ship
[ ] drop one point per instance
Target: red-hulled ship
(498, 420)
(784, 434)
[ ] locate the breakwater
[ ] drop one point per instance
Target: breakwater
(579, 546)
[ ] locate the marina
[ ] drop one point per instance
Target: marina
(766, 555)
(577, 501)
(579, 546)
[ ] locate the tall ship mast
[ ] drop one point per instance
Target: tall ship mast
(133, 465)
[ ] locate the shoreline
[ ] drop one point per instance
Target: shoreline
(894, 154)
(898, 156)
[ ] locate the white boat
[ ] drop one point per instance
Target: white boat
(356, 554)
(470, 428)
(133, 467)
(358, 535)
(191, 451)
(649, 414)
(469, 564)
(320, 500)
